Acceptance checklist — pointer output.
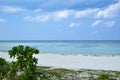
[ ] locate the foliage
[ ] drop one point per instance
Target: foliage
(47, 73)
(4, 68)
(103, 77)
(25, 61)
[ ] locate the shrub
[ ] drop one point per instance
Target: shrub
(103, 77)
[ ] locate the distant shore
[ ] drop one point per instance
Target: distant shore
(75, 61)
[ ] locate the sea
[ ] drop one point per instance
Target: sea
(95, 47)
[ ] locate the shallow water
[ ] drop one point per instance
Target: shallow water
(69, 47)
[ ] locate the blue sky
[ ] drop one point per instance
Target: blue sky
(59, 19)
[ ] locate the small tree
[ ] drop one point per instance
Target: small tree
(25, 60)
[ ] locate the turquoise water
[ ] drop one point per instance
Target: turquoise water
(68, 47)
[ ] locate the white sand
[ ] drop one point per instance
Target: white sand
(76, 61)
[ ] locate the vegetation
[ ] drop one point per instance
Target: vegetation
(4, 67)
(47, 73)
(25, 60)
(103, 77)
(24, 65)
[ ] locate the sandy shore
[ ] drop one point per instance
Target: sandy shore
(76, 61)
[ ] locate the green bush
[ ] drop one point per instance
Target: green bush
(4, 68)
(103, 77)
(25, 60)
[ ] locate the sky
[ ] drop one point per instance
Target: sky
(59, 19)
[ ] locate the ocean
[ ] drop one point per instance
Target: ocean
(98, 47)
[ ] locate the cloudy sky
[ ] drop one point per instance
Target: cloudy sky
(59, 19)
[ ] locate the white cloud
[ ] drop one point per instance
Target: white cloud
(64, 14)
(44, 16)
(86, 13)
(96, 23)
(2, 20)
(112, 11)
(40, 18)
(73, 24)
(110, 24)
(61, 14)
(11, 9)
(75, 13)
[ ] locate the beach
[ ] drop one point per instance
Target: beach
(76, 61)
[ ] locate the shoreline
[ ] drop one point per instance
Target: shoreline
(75, 61)
(77, 54)
(72, 54)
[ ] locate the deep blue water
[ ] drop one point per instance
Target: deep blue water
(69, 47)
